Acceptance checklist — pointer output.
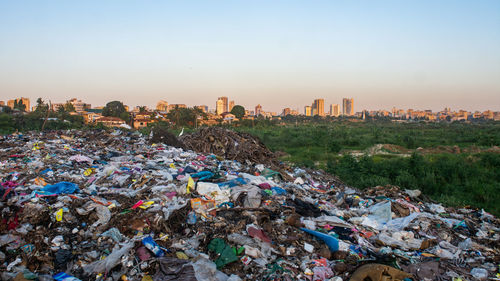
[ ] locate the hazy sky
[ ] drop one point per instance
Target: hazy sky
(409, 54)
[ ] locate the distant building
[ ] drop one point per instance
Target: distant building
(286, 111)
(91, 117)
(203, 108)
(228, 117)
(225, 105)
(307, 110)
(174, 106)
(56, 106)
(79, 105)
(2, 103)
(334, 110)
(348, 107)
(258, 110)
(25, 101)
(219, 107)
(110, 121)
(231, 105)
(162, 106)
(142, 120)
(318, 107)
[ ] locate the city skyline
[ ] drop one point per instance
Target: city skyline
(384, 54)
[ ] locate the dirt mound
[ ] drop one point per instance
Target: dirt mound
(229, 145)
(162, 135)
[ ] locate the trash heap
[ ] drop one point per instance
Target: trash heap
(229, 145)
(97, 205)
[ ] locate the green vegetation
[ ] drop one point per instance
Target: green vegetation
(238, 111)
(454, 179)
(16, 120)
(470, 178)
(116, 109)
(184, 116)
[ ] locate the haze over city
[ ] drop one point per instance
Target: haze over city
(384, 54)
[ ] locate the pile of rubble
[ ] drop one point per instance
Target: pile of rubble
(229, 145)
(86, 205)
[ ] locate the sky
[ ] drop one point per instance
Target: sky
(420, 54)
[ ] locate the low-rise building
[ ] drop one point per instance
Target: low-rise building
(110, 121)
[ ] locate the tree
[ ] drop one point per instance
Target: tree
(238, 111)
(69, 107)
(116, 109)
(21, 106)
(142, 109)
(182, 116)
(41, 107)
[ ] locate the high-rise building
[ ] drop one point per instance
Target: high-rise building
(334, 110)
(231, 105)
(318, 107)
(258, 110)
(307, 110)
(225, 105)
(348, 106)
(25, 101)
(162, 106)
(219, 107)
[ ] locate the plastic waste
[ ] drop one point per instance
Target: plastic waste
(413, 193)
(114, 234)
(151, 245)
(226, 253)
(110, 261)
(331, 242)
(479, 273)
(380, 213)
(58, 188)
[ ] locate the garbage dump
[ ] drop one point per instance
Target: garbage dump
(87, 205)
(229, 145)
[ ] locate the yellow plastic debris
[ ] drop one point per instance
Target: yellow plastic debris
(59, 215)
(88, 172)
(146, 204)
(181, 255)
(190, 185)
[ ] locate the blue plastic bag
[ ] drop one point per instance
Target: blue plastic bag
(331, 242)
(151, 245)
(64, 277)
(203, 175)
(58, 188)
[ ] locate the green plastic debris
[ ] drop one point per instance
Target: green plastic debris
(267, 173)
(226, 253)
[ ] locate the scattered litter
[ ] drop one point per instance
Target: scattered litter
(217, 205)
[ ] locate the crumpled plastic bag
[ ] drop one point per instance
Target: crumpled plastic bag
(174, 269)
(207, 271)
(58, 188)
(114, 234)
(213, 191)
(81, 158)
(110, 261)
(253, 198)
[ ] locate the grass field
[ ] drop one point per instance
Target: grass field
(470, 177)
